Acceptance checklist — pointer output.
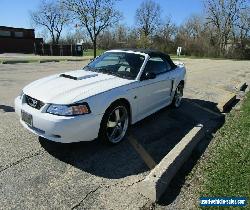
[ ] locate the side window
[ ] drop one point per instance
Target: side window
(168, 66)
(157, 65)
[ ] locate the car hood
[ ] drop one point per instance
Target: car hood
(72, 86)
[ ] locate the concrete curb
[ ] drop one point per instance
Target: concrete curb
(228, 100)
(155, 184)
(48, 61)
(243, 87)
(38, 61)
(74, 60)
(15, 62)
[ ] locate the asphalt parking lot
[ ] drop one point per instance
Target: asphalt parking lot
(38, 174)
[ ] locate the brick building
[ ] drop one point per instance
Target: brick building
(16, 40)
(20, 40)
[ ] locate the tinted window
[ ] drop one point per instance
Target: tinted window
(121, 64)
(168, 65)
(157, 65)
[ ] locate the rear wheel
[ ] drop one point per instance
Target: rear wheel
(114, 124)
(178, 96)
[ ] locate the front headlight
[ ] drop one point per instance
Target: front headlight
(69, 110)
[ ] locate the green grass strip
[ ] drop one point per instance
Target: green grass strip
(226, 171)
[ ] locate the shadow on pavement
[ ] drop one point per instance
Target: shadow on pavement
(7, 108)
(102, 160)
(211, 125)
(158, 134)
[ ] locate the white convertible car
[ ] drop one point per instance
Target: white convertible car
(115, 90)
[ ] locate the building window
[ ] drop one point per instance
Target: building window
(18, 34)
(5, 33)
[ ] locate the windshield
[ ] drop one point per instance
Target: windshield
(121, 64)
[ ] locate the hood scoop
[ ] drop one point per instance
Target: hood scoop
(78, 78)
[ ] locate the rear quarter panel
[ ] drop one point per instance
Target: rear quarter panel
(179, 74)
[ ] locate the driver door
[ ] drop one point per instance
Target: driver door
(153, 94)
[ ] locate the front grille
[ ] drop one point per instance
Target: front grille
(33, 102)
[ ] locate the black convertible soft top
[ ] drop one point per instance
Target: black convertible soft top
(151, 53)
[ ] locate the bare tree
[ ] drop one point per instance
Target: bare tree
(163, 39)
(168, 29)
(148, 16)
(73, 36)
(194, 36)
(94, 15)
(121, 33)
(52, 16)
(223, 15)
(132, 38)
(242, 26)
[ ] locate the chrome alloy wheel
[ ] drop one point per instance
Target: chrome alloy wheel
(178, 96)
(117, 124)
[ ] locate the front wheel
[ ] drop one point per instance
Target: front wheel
(114, 124)
(176, 103)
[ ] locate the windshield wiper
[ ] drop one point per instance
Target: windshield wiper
(106, 71)
(99, 70)
(123, 75)
(89, 68)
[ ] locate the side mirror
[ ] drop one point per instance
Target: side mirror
(149, 75)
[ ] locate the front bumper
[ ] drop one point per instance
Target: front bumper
(60, 128)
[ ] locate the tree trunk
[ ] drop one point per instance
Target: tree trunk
(58, 37)
(53, 38)
(94, 47)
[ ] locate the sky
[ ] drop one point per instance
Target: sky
(15, 13)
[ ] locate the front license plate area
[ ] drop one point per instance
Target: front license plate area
(27, 118)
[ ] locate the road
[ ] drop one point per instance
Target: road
(38, 174)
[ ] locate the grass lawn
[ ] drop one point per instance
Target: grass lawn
(175, 57)
(226, 170)
(90, 52)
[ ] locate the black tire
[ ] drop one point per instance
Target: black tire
(110, 113)
(176, 102)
